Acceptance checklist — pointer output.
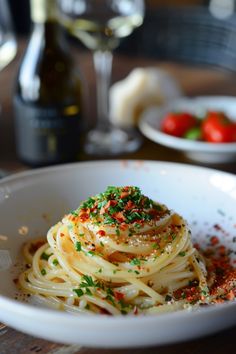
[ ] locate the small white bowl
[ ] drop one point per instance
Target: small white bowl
(150, 126)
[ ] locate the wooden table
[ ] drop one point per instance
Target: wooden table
(194, 81)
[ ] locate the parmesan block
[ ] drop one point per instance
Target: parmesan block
(142, 88)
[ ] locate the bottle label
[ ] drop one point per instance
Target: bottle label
(46, 135)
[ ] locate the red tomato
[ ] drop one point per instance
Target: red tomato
(217, 128)
(178, 124)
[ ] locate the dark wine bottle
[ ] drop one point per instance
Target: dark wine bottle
(47, 100)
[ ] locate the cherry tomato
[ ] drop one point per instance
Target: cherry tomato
(178, 124)
(217, 128)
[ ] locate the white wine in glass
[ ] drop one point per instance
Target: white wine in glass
(100, 25)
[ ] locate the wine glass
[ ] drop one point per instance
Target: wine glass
(7, 44)
(100, 25)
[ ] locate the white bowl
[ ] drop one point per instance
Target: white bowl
(39, 198)
(150, 126)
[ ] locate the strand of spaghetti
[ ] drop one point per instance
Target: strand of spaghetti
(199, 272)
(61, 258)
(62, 283)
(58, 304)
(29, 285)
(147, 290)
(103, 304)
(36, 261)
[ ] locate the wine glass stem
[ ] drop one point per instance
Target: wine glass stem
(103, 67)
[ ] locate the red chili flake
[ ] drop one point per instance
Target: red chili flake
(197, 246)
(126, 188)
(83, 217)
(124, 195)
(119, 216)
(104, 312)
(230, 296)
(129, 205)
(222, 250)
(135, 311)
(123, 227)
(15, 280)
(62, 235)
(214, 240)
(118, 295)
(101, 233)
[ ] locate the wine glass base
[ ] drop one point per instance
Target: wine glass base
(112, 142)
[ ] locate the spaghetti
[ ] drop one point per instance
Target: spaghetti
(119, 252)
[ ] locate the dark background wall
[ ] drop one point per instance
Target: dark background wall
(21, 15)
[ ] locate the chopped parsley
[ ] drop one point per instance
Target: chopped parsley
(79, 292)
(74, 213)
(88, 292)
(182, 254)
(78, 246)
(118, 231)
(43, 271)
(89, 203)
(87, 282)
(155, 246)
(111, 299)
(45, 256)
(135, 261)
(91, 253)
(55, 262)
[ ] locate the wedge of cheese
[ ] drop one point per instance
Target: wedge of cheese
(142, 88)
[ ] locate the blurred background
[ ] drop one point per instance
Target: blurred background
(195, 31)
(194, 41)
